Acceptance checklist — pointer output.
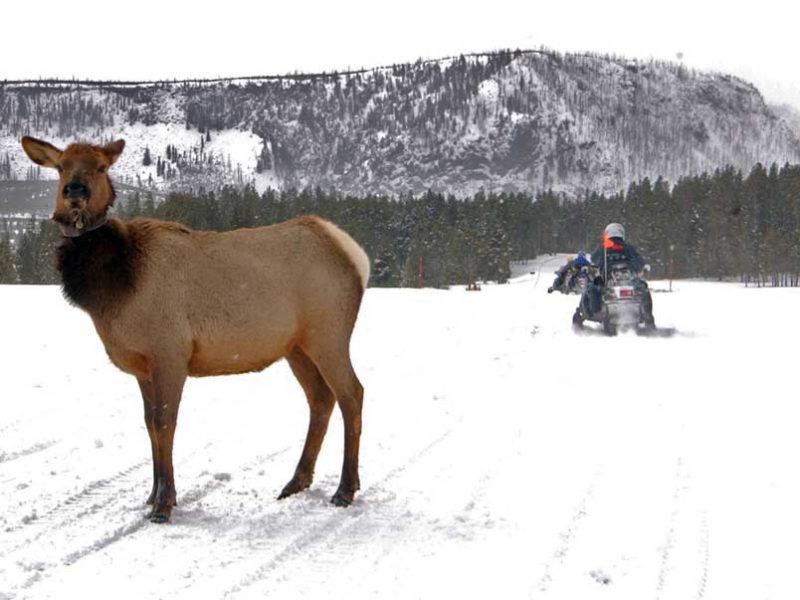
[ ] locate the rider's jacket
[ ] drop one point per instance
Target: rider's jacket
(617, 250)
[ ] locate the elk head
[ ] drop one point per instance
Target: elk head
(84, 191)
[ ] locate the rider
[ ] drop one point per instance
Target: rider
(569, 269)
(616, 250)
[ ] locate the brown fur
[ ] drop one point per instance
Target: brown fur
(169, 302)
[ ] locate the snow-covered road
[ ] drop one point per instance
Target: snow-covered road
(502, 456)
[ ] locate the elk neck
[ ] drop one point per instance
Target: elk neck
(99, 268)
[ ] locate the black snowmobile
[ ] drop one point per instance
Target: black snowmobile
(580, 281)
(577, 280)
(623, 303)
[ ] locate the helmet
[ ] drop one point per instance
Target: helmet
(614, 230)
(581, 260)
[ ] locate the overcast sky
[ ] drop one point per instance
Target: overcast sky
(158, 39)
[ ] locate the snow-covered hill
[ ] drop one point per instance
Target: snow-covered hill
(522, 121)
(790, 115)
(502, 456)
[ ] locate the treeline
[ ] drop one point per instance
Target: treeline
(720, 225)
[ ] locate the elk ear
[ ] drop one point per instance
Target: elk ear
(113, 150)
(41, 152)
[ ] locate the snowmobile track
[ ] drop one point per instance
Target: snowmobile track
(10, 425)
(6, 457)
(332, 525)
(140, 521)
(669, 543)
(568, 534)
(702, 583)
(64, 507)
(107, 497)
(680, 554)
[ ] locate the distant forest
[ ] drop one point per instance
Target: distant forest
(721, 225)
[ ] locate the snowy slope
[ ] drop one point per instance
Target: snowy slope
(513, 121)
(228, 153)
(502, 456)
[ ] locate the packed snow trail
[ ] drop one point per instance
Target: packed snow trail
(502, 455)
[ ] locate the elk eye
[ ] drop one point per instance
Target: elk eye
(101, 169)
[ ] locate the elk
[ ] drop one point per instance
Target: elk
(169, 302)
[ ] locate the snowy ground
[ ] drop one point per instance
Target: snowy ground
(503, 456)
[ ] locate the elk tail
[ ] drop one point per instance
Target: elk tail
(350, 247)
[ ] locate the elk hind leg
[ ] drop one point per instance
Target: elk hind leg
(320, 405)
(337, 370)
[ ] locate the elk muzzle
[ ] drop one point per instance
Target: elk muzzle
(75, 190)
(76, 220)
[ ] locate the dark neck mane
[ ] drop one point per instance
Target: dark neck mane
(99, 269)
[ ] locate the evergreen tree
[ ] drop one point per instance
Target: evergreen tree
(8, 272)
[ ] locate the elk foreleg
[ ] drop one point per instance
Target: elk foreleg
(148, 397)
(162, 396)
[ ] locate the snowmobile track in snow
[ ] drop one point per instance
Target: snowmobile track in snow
(104, 492)
(666, 549)
(185, 500)
(673, 561)
(567, 535)
(335, 523)
(6, 457)
(73, 503)
(702, 584)
(140, 521)
(10, 425)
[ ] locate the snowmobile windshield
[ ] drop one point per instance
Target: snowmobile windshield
(621, 273)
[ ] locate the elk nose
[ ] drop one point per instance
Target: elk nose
(75, 191)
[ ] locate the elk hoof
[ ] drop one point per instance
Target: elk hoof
(294, 486)
(342, 498)
(159, 517)
(161, 514)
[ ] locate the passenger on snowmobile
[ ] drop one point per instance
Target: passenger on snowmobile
(565, 274)
(615, 251)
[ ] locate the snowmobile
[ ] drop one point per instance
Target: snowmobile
(577, 280)
(581, 280)
(622, 308)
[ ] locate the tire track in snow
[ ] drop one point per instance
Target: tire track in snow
(107, 498)
(463, 517)
(330, 526)
(6, 457)
(568, 533)
(669, 543)
(10, 425)
(349, 536)
(121, 532)
(685, 561)
(706, 554)
(73, 503)
(185, 500)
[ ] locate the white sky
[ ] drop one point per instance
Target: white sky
(157, 39)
